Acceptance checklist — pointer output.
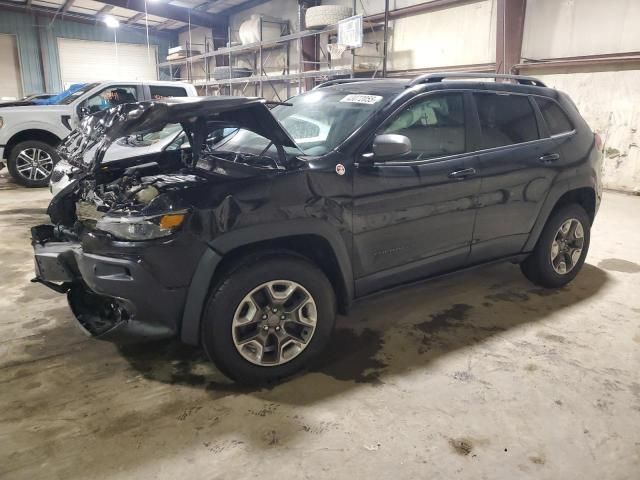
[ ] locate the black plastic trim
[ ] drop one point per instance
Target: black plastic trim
(197, 296)
(65, 121)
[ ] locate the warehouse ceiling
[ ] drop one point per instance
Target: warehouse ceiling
(165, 15)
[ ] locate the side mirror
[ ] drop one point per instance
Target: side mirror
(83, 112)
(390, 145)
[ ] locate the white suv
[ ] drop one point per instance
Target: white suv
(29, 134)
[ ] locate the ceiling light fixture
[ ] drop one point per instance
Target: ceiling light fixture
(111, 22)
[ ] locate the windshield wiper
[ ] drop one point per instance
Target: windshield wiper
(274, 103)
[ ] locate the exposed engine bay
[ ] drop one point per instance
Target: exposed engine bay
(137, 192)
(130, 194)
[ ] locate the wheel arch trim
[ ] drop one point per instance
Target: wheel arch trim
(31, 134)
(555, 194)
(207, 267)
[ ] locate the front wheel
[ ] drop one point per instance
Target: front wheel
(269, 318)
(561, 249)
(31, 163)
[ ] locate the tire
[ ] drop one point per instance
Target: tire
(320, 17)
(227, 305)
(39, 173)
(539, 266)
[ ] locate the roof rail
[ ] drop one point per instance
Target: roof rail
(339, 81)
(439, 77)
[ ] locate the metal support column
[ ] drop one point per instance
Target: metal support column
(509, 31)
(260, 61)
(230, 64)
(386, 38)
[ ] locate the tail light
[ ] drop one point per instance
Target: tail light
(598, 140)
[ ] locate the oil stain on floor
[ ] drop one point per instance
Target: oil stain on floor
(619, 265)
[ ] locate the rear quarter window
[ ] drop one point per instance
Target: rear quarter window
(159, 92)
(505, 119)
(555, 118)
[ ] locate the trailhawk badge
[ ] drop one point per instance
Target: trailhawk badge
(340, 169)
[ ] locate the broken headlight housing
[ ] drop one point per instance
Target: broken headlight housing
(141, 227)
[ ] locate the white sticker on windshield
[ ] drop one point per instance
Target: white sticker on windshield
(366, 99)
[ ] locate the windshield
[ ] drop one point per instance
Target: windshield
(69, 95)
(321, 120)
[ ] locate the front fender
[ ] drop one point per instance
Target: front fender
(206, 270)
(56, 128)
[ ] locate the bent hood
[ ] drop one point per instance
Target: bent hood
(195, 114)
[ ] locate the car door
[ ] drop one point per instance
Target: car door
(413, 215)
(518, 162)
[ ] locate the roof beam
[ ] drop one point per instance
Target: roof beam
(171, 12)
(104, 10)
(165, 24)
(136, 17)
(241, 7)
(67, 5)
(50, 13)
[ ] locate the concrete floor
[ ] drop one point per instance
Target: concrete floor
(480, 375)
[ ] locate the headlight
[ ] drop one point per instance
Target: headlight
(65, 167)
(141, 228)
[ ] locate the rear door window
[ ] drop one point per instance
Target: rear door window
(435, 126)
(505, 119)
(556, 120)
(159, 92)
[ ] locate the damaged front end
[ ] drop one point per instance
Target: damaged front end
(107, 295)
(125, 239)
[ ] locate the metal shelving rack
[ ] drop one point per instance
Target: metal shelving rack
(260, 62)
(175, 67)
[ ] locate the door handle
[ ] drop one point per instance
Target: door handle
(462, 174)
(549, 157)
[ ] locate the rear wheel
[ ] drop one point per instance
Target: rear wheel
(269, 318)
(561, 249)
(31, 163)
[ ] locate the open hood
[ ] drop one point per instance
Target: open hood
(193, 113)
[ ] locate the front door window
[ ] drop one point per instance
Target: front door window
(435, 126)
(110, 97)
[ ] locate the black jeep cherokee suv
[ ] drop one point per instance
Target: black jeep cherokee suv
(255, 225)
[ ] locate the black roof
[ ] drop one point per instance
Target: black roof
(371, 86)
(518, 84)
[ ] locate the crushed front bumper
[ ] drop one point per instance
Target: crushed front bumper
(112, 298)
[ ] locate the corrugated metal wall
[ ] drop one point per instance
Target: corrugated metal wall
(26, 27)
(23, 26)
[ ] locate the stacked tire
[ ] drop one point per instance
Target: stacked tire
(320, 17)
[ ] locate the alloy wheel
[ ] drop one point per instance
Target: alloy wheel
(34, 164)
(567, 245)
(274, 323)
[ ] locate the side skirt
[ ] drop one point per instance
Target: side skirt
(516, 259)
